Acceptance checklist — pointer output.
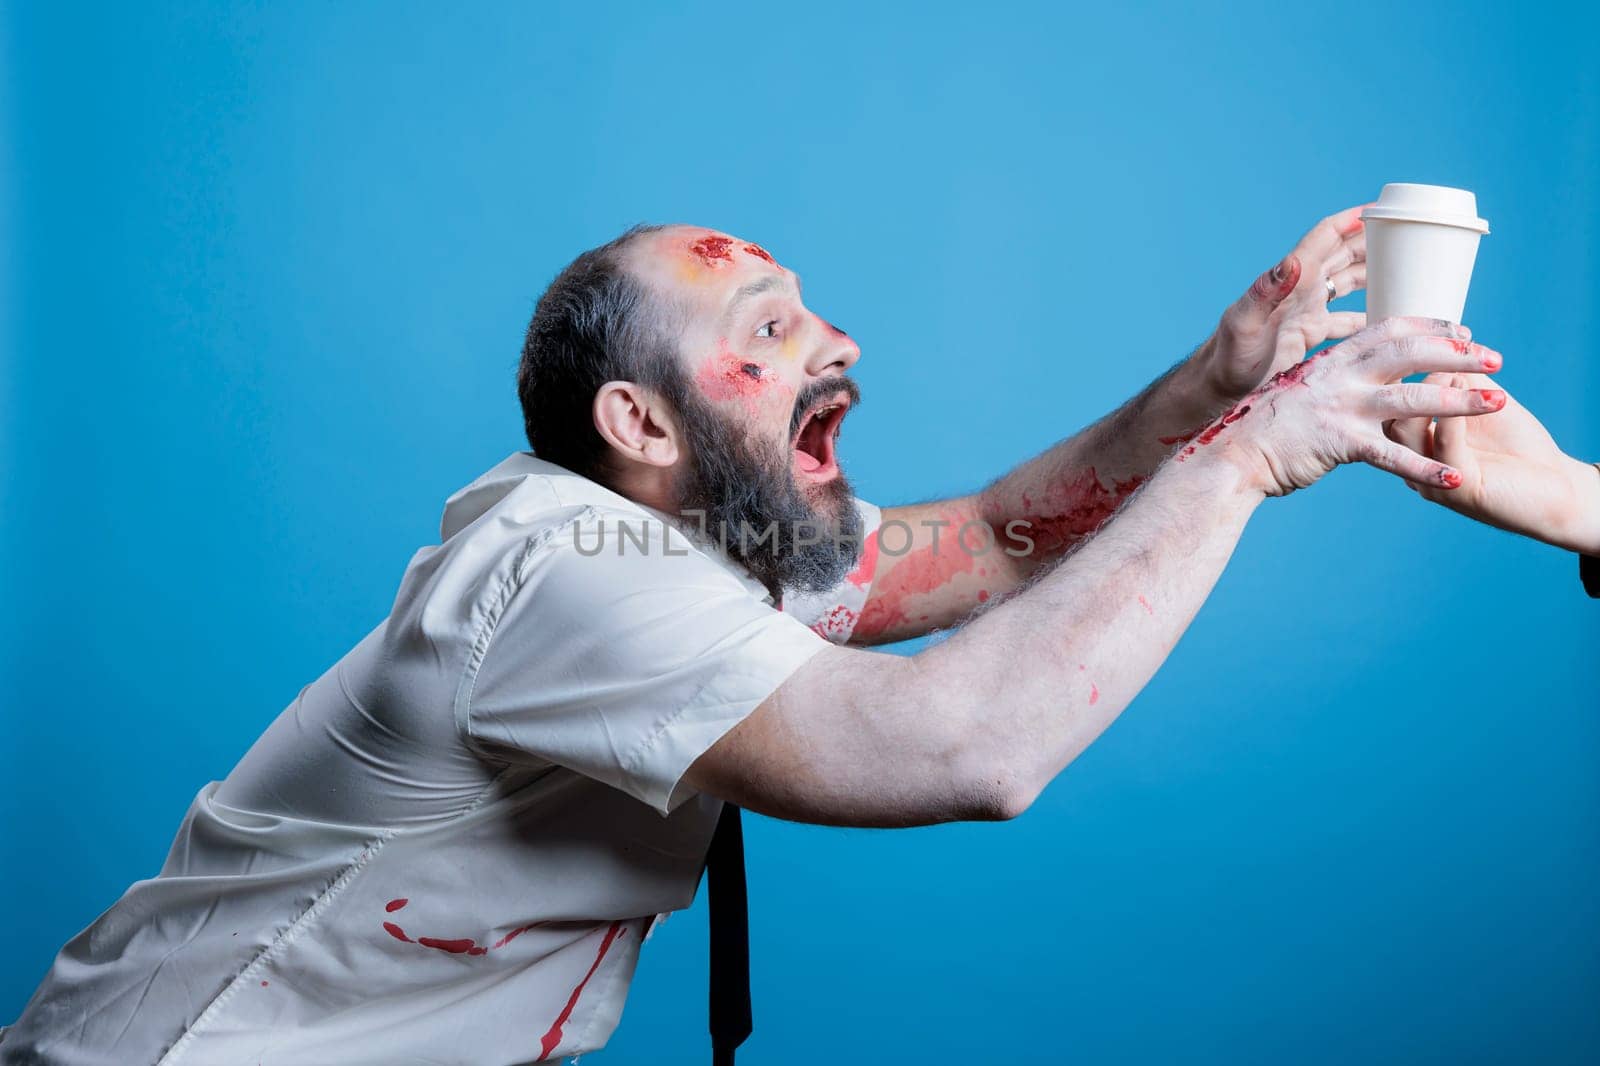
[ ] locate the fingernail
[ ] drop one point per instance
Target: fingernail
(1450, 478)
(1463, 331)
(1492, 360)
(1493, 397)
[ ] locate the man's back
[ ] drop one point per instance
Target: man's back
(396, 871)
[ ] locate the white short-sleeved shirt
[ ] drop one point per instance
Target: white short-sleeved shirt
(449, 848)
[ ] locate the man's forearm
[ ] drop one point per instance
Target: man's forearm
(1066, 493)
(1034, 681)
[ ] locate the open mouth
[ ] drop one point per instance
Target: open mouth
(814, 446)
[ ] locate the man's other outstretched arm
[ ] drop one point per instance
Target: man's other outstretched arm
(1067, 493)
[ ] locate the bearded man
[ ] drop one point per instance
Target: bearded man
(452, 845)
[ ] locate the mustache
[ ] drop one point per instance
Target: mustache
(817, 390)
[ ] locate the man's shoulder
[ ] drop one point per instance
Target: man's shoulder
(523, 495)
(526, 513)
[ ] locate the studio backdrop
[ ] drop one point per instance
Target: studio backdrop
(266, 270)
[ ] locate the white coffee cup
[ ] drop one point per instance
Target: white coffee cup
(1421, 243)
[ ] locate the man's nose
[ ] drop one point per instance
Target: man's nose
(836, 354)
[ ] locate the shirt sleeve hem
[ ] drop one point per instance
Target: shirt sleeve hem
(675, 744)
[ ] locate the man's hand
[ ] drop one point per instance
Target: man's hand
(1513, 474)
(1331, 408)
(1285, 312)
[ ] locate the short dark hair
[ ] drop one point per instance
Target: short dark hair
(597, 322)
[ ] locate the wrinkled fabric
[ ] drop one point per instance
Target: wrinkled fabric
(450, 847)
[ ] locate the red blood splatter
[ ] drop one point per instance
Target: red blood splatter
(548, 1042)
(1451, 479)
(861, 576)
(1492, 396)
(1222, 423)
(1074, 509)
(914, 574)
(838, 622)
(729, 376)
(1183, 439)
(1214, 430)
(464, 946)
(1094, 693)
(713, 250)
(509, 937)
(983, 594)
(760, 253)
(263, 984)
(1295, 375)
(1146, 605)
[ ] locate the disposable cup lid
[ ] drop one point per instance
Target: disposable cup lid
(1438, 204)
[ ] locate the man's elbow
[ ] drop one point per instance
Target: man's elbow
(992, 788)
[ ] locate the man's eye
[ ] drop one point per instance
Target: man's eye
(768, 330)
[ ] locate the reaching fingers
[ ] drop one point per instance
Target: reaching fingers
(1349, 280)
(1405, 400)
(1401, 357)
(1450, 437)
(1326, 236)
(1351, 250)
(1396, 459)
(1412, 432)
(1252, 310)
(1342, 324)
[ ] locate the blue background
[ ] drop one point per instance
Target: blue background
(266, 273)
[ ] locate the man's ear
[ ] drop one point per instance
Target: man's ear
(636, 422)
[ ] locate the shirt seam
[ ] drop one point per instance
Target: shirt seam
(509, 586)
(277, 947)
(286, 939)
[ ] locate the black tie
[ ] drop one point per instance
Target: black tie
(730, 938)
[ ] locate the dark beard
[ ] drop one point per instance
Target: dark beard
(744, 495)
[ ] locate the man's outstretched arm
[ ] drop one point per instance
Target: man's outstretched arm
(927, 578)
(975, 727)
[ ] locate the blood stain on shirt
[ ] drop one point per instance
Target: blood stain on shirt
(838, 622)
(548, 1042)
(456, 946)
